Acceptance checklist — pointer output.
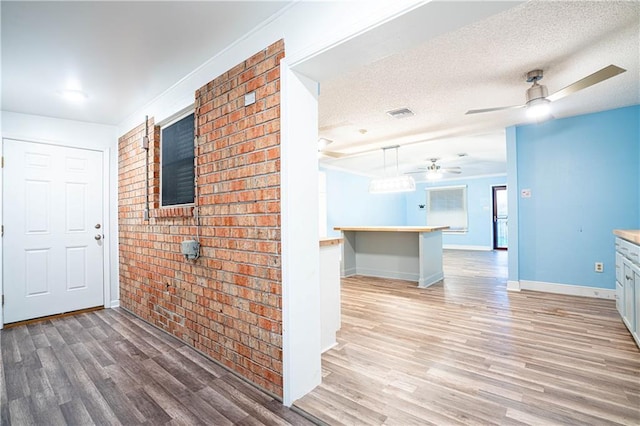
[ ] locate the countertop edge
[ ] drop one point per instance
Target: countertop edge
(631, 235)
(324, 242)
(391, 228)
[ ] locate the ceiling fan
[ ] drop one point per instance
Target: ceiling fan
(434, 171)
(322, 149)
(538, 99)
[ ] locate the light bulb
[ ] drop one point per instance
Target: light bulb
(538, 108)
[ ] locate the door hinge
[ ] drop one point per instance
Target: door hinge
(2, 161)
(3, 300)
(1, 230)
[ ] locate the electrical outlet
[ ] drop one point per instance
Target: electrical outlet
(599, 267)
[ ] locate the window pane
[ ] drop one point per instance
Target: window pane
(177, 162)
(447, 207)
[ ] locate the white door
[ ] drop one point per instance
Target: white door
(52, 244)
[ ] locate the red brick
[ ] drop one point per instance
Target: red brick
(228, 303)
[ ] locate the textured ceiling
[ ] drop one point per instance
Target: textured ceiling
(122, 54)
(439, 60)
(480, 65)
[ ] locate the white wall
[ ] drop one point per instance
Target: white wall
(308, 29)
(78, 135)
(300, 275)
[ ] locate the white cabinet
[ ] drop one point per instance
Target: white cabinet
(636, 332)
(329, 291)
(628, 285)
(619, 281)
(629, 297)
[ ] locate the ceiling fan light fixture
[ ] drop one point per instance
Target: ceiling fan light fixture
(538, 108)
(434, 175)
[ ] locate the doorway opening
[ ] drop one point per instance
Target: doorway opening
(500, 218)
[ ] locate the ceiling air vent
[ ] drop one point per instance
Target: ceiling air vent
(400, 113)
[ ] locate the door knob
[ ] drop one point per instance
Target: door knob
(97, 226)
(98, 237)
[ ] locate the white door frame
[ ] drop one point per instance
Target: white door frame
(301, 339)
(106, 191)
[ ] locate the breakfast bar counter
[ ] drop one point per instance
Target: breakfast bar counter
(412, 253)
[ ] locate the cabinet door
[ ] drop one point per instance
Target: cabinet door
(629, 297)
(620, 298)
(619, 267)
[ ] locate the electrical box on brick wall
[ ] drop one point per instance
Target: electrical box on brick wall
(191, 249)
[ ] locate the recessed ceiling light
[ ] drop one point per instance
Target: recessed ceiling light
(74, 95)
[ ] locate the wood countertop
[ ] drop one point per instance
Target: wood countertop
(324, 242)
(391, 228)
(632, 235)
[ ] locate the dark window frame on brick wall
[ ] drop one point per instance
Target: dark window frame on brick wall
(177, 169)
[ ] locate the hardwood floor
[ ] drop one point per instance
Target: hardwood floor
(108, 367)
(469, 352)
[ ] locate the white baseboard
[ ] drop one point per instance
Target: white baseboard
(385, 273)
(115, 303)
(513, 285)
(459, 247)
(568, 289)
(329, 347)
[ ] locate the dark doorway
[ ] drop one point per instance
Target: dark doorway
(500, 218)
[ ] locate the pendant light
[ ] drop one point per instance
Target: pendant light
(389, 184)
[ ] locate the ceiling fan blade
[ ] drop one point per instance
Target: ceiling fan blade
(455, 172)
(415, 172)
(479, 111)
(595, 78)
(332, 154)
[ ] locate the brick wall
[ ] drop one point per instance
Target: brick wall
(228, 303)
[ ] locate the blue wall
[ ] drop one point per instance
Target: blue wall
(350, 204)
(584, 174)
(479, 207)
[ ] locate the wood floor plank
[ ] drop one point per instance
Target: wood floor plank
(466, 351)
(110, 368)
(36, 331)
(56, 375)
(150, 409)
(75, 413)
(171, 405)
(4, 401)
(21, 411)
(277, 408)
(38, 382)
(119, 403)
(247, 398)
(224, 405)
(46, 410)
(10, 350)
(16, 382)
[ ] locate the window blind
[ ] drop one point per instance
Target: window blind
(177, 162)
(447, 206)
